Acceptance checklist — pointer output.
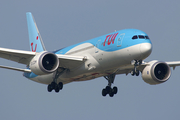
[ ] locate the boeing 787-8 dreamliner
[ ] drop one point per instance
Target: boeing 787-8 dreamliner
(126, 49)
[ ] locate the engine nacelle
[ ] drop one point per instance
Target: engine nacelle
(44, 63)
(156, 72)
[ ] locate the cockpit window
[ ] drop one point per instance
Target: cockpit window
(135, 37)
(141, 37)
(146, 37)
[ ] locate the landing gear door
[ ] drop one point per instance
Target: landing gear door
(120, 39)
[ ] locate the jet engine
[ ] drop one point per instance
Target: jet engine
(44, 63)
(156, 72)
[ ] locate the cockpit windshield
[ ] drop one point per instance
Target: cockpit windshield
(135, 37)
(140, 37)
(146, 37)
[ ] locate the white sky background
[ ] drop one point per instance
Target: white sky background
(66, 22)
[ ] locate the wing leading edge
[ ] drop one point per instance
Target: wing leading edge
(173, 64)
(24, 57)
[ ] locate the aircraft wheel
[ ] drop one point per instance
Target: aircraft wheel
(108, 89)
(104, 92)
(53, 84)
(115, 90)
(49, 88)
(57, 88)
(111, 94)
(132, 72)
(60, 85)
(137, 72)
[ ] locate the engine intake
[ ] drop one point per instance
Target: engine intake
(156, 73)
(44, 63)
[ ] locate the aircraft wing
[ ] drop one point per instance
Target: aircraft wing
(69, 61)
(19, 56)
(173, 64)
(24, 57)
(127, 69)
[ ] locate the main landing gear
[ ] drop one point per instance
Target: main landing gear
(135, 71)
(108, 89)
(54, 85)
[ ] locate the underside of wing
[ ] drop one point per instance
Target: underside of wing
(69, 61)
(19, 56)
(126, 69)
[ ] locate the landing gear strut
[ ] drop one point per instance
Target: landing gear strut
(108, 89)
(54, 85)
(135, 71)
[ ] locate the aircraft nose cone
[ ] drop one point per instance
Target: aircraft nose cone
(145, 49)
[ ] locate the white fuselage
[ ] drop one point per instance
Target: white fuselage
(99, 63)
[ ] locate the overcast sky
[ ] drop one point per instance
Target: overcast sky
(66, 22)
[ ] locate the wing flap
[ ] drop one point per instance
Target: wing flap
(71, 62)
(71, 57)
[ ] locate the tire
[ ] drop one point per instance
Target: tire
(111, 94)
(104, 92)
(132, 72)
(115, 90)
(108, 89)
(49, 88)
(60, 85)
(57, 88)
(53, 85)
(137, 72)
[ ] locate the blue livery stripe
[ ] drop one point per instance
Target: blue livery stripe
(113, 41)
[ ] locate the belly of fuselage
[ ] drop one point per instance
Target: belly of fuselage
(99, 64)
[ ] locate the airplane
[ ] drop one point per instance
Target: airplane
(119, 52)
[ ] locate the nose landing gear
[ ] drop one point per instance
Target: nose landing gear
(135, 71)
